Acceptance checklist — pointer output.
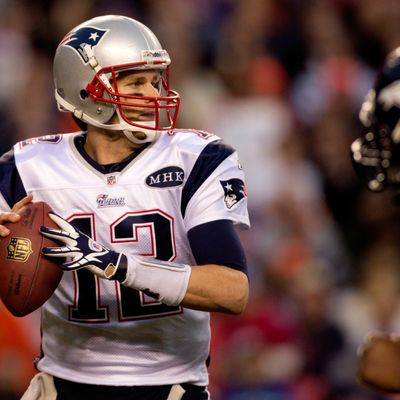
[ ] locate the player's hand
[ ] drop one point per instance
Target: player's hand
(379, 362)
(83, 252)
(12, 216)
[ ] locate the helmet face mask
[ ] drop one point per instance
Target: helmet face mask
(376, 153)
(165, 106)
(87, 65)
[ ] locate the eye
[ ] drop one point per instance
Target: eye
(157, 84)
(133, 87)
(136, 83)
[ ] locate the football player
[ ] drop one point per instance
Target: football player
(376, 158)
(147, 218)
(376, 154)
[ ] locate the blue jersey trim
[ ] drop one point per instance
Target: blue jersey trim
(11, 185)
(217, 242)
(209, 159)
(79, 142)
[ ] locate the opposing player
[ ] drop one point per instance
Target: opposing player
(376, 158)
(147, 216)
(376, 154)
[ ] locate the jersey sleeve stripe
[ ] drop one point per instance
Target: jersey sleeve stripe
(209, 159)
(217, 242)
(11, 185)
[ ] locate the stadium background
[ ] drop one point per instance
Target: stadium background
(281, 80)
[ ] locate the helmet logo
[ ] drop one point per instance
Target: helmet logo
(85, 36)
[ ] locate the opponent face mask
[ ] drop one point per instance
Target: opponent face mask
(376, 153)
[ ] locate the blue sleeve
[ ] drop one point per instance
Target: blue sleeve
(217, 242)
(11, 186)
(209, 159)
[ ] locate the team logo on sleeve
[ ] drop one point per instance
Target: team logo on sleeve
(234, 190)
(85, 36)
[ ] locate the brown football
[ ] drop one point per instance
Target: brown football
(27, 278)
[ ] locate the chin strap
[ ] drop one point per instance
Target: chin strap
(150, 134)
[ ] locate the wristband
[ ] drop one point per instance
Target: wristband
(165, 281)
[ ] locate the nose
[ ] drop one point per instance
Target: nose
(147, 90)
(150, 90)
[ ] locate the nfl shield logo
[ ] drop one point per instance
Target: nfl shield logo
(19, 249)
(111, 180)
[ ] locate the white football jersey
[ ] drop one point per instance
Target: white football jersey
(97, 331)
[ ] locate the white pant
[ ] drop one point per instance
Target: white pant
(42, 388)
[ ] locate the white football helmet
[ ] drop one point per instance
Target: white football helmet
(87, 63)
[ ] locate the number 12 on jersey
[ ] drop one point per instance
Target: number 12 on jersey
(132, 304)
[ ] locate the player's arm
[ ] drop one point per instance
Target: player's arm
(209, 287)
(219, 282)
(379, 362)
(216, 288)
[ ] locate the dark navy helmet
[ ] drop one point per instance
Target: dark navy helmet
(376, 153)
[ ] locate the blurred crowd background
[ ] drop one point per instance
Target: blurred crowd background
(282, 81)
